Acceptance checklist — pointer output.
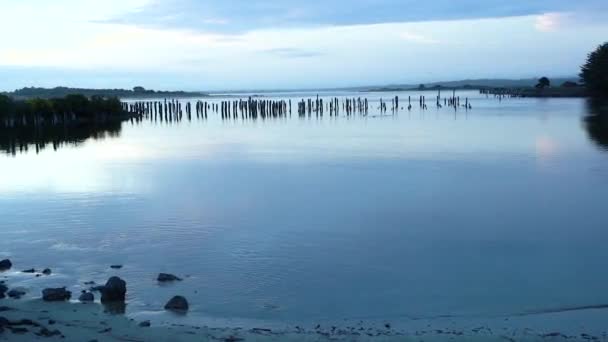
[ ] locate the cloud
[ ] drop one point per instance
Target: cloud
(550, 22)
(293, 53)
(414, 37)
(239, 16)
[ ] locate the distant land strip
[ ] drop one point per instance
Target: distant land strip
(60, 92)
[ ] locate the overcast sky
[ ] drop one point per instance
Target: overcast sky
(269, 44)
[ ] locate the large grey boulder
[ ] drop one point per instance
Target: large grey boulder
(56, 295)
(114, 290)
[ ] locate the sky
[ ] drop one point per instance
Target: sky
(288, 44)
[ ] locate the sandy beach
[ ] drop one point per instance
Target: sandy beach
(35, 319)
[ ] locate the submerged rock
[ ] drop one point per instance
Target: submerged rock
(5, 265)
(44, 332)
(116, 267)
(47, 271)
(86, 297)
(145, 324)
(114, 290)
(31, 270)
(177, 304)
(165, 277)
(16, 293)
(3, 290)
(56, 295)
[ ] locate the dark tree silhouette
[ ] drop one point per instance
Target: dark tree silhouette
(569, 84)
(543, 82)
(594, 74)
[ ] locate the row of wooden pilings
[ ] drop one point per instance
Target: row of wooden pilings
(501, 93)
(253, 108)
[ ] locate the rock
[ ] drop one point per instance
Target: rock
(56, 295)
(5, 265)
(86, 297)
(165, 277)
(16, 293)
(18, 330)
(3, 290)
(4, 322)
(145, 324)
(31, 270)
(114, 290)
(47, 271)
(44, 332)
(177, 304)
(116, 267)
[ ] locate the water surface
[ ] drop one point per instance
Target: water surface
(498, 210)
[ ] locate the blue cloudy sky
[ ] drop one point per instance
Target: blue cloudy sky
(248, 44)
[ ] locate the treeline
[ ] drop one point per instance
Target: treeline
(48, 93)
(75, 107)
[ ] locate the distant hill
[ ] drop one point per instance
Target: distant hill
(137, 92)
(476, 84)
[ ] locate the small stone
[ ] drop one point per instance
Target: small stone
(5, 265)
(51, 322)
(56, 295)
(31, 270)
(165, 277)
(44, 332)
(145, 324)
(18, 330)
(16, 293)
(177, 304)
(47, 271)
(116, 267)
(86, 297)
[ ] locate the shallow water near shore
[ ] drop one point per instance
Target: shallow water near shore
(491, 212)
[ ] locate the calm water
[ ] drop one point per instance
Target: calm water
(495, 211)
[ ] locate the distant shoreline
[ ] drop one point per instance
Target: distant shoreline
(59, 92)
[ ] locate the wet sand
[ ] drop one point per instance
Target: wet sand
(70, 321)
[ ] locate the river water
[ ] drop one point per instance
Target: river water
(496, 210)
